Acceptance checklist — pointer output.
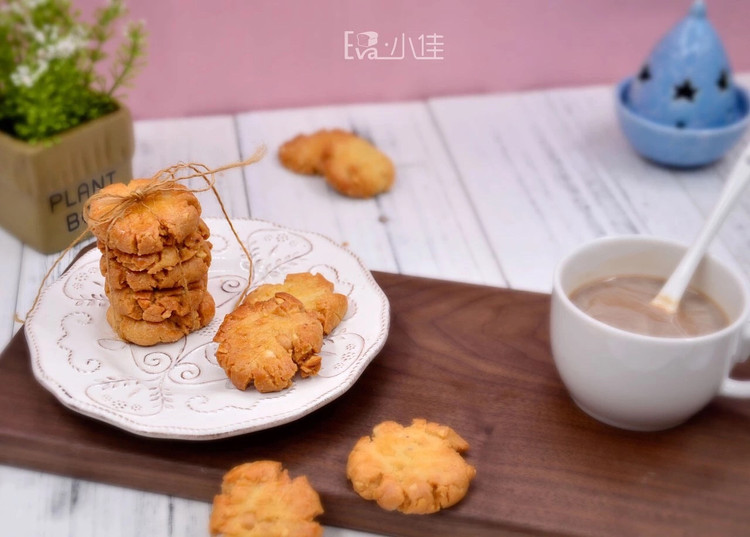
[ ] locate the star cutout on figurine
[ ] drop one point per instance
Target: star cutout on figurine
(645, 74)
(685, 91)
(723, 81)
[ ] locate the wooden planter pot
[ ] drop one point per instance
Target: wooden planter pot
(43, 187)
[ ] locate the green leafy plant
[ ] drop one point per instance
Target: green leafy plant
(49, 56)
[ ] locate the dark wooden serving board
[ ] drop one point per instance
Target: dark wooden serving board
(472, 357)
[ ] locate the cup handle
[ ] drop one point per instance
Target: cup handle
(738, 388)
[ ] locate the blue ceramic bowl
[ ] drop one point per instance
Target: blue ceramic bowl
(684, 148)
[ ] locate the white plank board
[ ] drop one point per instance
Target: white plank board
(424, 226)
(704, 185)
(491, 144)
(306, 203)
(211, 141)
(54, 506)
(10, 268)
(548, 171)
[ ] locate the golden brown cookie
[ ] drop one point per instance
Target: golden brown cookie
(160, 304)
(258, 499)
(305, 152)
(265, 343)
(315, 293)
(416, 469)
(356, 168)
(195, 244)
(160, 219)
(185, 273)
(170, 330)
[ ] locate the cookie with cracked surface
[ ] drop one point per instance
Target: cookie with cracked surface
(305, 152)
(156, 305)
(157, 220)
(259, 499)
(266, 343)
(356, 168)
(314, 291)
(146, 333)
(416, 469)
(183, 273)
(194, 244)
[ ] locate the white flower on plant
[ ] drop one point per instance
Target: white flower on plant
(30, 28)
(22, 76)
(25, 76)
(41, 68)
(51, 33)
(64, 47)
(38, 35)
(54, 33)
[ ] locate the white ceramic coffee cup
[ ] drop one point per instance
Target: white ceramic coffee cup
(639, 382)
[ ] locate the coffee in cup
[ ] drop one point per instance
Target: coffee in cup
(624, 302)
(639, 381)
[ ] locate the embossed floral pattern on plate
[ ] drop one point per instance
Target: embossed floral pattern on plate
(178, 390)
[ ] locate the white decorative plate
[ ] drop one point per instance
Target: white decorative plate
(178, 390)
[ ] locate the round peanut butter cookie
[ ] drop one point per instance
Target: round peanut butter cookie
(266, 343)
(356, 168)
(416, 469)
(146, 333)
(160, 304)
(304, 153)
(184, 273)
(259, 499)
(195, 244)
(148, 225)
(315, 293)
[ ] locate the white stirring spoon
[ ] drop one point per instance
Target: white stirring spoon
(670, 295)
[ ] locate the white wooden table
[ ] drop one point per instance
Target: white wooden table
(490, 189)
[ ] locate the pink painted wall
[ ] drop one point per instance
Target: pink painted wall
(223, 56)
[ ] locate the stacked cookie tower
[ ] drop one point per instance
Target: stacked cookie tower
(155, 259)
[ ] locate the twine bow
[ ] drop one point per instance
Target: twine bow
(166, 180)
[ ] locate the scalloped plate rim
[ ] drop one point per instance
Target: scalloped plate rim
(176, 432)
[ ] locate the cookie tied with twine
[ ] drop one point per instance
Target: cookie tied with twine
(143, 216)
(111, 213)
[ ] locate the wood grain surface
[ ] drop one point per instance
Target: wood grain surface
(475, 358)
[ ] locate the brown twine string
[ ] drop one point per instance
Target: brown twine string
(166, 180)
